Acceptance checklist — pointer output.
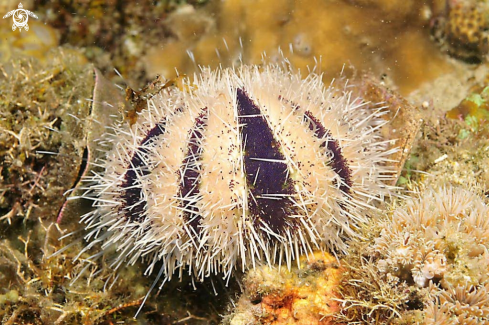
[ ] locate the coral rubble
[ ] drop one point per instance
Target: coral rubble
(453, 145)
(302, 295)
(463, 30)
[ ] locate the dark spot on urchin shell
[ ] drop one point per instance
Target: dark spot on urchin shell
(339, 164)
(132, 201)
(265, 168)
(190, 174)
(318, 266)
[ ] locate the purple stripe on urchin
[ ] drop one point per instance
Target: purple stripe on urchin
(265, 168)
(190, 172)
(339, 164)
(132, 201)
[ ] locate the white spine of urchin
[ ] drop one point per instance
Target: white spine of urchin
(251, 165)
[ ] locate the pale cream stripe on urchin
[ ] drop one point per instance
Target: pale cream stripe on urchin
(223, 185)
(172, 237)
(253, 165)
(166, 237)
(120, 197)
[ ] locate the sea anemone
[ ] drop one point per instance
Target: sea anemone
(237, 167)
(427, 263)
(425, 238)
(463, 304)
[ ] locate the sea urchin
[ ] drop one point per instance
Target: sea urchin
(248, 165)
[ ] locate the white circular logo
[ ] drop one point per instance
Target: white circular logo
(20, 16)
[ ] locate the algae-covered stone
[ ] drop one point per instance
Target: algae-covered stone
(43, 108)
(301, 295)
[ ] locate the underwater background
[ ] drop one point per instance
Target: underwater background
(423, 258)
